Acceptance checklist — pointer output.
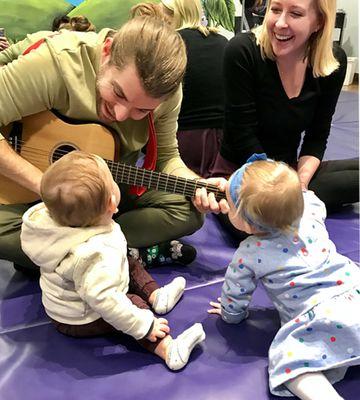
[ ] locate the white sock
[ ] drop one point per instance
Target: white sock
(181, 347)
(312, 386)
(168, 295)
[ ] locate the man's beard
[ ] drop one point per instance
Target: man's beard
(98, 97)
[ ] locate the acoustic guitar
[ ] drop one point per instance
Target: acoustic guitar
(45, 137)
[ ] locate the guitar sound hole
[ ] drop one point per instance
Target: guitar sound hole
(60, 151)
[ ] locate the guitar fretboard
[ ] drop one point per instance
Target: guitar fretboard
(132, 175)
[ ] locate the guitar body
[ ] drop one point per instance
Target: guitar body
(44, 138)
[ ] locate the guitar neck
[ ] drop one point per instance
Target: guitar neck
(131, 175)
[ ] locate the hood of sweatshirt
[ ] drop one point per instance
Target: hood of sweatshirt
(47, 243)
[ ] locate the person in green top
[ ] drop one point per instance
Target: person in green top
(117, 79)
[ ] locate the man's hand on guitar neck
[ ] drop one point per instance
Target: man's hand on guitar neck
(206, 202)
(203, 200)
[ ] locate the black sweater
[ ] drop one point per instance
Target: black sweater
(259, 117)
(203, 103)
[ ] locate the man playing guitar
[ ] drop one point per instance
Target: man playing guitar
(123, 80)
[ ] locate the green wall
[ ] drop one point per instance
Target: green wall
(105, 13)
(20, 17)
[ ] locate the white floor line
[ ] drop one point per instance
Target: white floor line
(19, 327)
(205, 284)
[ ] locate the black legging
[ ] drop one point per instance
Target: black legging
(336, 183)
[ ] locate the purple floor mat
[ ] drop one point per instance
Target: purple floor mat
(37, 363)
(231, 359)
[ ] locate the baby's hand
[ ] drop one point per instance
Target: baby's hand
(216, 307)
(159, 330)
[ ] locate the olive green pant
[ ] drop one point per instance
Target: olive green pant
(151, 218)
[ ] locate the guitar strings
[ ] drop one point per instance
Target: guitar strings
(162, 181)
(154, 179)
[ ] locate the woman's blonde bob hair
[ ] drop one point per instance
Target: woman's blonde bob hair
(151, 10)
(187, 14)
(319, 46)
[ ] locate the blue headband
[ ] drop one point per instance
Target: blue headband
(235, 188)
(237, 177)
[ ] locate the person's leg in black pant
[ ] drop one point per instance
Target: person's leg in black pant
(336, 182)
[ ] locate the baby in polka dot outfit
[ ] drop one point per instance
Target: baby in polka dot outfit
(315, 289)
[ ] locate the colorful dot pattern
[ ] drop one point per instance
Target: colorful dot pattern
(310, 333)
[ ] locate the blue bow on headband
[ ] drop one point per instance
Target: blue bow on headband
(237, 176)
(235, 188)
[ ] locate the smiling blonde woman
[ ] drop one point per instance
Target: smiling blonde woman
(282, 80)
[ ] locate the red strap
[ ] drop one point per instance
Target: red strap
(38, 43)
(150, 156)
(33, 46)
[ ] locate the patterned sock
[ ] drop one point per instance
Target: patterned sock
(168, 295)
(181, 347)
(164, 253)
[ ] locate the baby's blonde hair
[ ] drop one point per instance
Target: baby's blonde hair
(270, 195)
(77, 189)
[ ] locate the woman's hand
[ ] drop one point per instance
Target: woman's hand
(306, 168)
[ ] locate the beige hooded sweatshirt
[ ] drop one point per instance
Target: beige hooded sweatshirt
(84, 272)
